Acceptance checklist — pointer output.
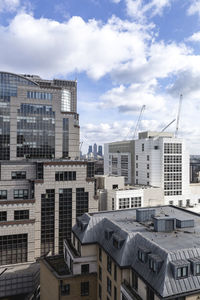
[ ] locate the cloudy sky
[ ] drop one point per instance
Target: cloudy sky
(124, 54)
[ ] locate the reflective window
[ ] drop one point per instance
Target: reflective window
(36, 131)
(39, 95)
(65, 100)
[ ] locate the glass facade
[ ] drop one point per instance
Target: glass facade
(65, 137)
(36, 131)
(8, 88)
(81, 201)
(13, 249)
(66, 101)
(47, 221)
(65, 216)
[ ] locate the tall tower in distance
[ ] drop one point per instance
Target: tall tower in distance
(100, 153)
(95, 150)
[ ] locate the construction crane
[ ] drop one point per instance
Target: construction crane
(157, 136)
(138, 121)
(178, 116)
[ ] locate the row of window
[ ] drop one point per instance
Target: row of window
(172, 193)
(172, 185)
(18, 175)
(173, 176)
(173, 148)
(85, 289)
(173, 159)
(148, 157)
(172, 168)
(130, 202)
(65, 176)
(18, 215)
(180, 202)
(17, 194)
(39, 95)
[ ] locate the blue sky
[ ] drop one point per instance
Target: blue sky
(124, 53)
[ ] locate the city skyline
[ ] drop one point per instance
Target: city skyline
(123, 53)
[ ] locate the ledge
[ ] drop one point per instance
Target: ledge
(17, 222)
(17, 201)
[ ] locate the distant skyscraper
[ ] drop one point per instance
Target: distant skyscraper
(95, 150)
(90, 149)
(100, 150)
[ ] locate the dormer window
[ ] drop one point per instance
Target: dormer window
(195, 265)
(117, 241)
(180, 268)
(142, 254)
(155, 262)
(182, 272)
(108, 233)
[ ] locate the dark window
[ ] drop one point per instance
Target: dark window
(141, 256)
(65, 176)
(152, 265)
(90, 169)
(115, 293)
(100, 254)
(47, 221)
(21, 214)
(85, 288)
(136, 157)
(100, 292)
(3, 195)
(65, 137)
(100, 273)
(65, 216)
(142, 147)
(3, 216)
(65, 289)
(134, 280)
(115, 186)
(109, 264)
(19, 175)
(148, 157)
(82, 198)
(109, 286)
(198, 269)
(150, 294)
(20, 194)
(85, 269)
(115, 272)
(13, 249)
(182, 272)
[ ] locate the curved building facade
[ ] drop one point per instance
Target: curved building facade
(38, 118)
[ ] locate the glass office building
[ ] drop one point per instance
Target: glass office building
(35, 117)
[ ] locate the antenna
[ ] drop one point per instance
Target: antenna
(139, 120)
(178, 116)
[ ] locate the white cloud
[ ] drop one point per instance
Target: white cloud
(115, 1)
(48, 47)
(130, 99)
(9, 5)
(194, 8)
(195, 37)
(139, 8)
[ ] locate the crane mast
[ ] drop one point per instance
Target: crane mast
(178, 116)
(138, 121)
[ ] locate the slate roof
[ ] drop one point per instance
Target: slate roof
(172, 248)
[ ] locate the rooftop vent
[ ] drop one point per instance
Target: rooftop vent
(164, 224)
(145, 214)
(184, 223)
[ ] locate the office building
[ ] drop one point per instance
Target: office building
(155, 159)
(95, 150)
(146, 254)
(90, 149)
(44, 186)
(119, 159)
(38, 118)
(113, 194)
(100, 150)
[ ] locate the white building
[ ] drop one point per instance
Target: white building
(162, 160)
(114, 195)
